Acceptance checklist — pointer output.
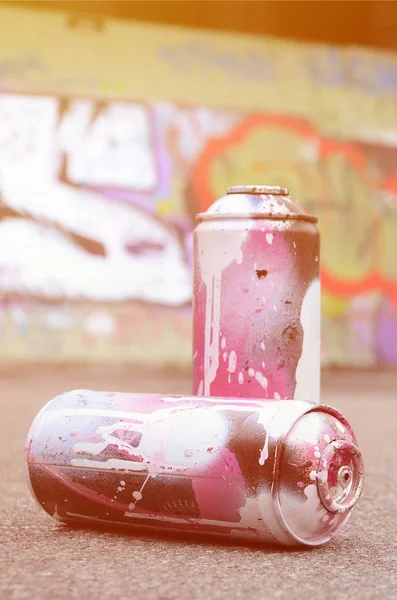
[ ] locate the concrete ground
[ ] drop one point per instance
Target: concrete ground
(42, 560)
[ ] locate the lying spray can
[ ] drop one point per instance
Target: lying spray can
(281, 471)
(256, 301)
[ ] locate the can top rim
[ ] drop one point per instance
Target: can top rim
(265, 215)
(273, 190)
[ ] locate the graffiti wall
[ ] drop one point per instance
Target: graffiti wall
(101, 178)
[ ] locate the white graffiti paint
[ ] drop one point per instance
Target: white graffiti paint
(44, 248)
(154, 443)
(308, 369)
(111, 146)
(49, 267)
(113, 149)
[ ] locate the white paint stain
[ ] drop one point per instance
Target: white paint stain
(276, 396)
(223, 343)
(306, 518)
(263, 345)
(251, 372)
(269, 238)
(100, 324)
(240, 377)
(275, 421)
(308, 369)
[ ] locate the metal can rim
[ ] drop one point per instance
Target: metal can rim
(265, 216)
(261, 190)
(276, 473)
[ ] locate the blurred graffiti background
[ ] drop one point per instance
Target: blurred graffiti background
(115, 133)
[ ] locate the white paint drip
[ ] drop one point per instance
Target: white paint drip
(212, 265)
(264, 455)
(240, 377)
(137, 494)
(261, 379)
(269, 238)
(232, 364)
(308, 369)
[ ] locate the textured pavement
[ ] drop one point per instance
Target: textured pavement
(42, 560)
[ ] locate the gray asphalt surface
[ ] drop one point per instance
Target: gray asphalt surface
(42, 560)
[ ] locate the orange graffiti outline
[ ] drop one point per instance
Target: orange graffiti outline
(332, 283)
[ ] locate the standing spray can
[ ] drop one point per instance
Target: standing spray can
(279, 471)
(256, 301)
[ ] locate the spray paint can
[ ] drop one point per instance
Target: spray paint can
(281, 471)
(256, 301)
